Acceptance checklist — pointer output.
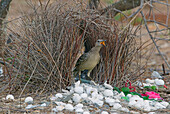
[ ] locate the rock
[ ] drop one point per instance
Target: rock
(78, 106)
(43, 105)
(10, 97)
(60, 103)
(76, 98)
(58, 95)
(83, 95)
(124, 109)
(151, 113)
(79, 110)
(108, 93)
(155, 74)
(30, 106)
(110, 101)
(59, 108)
(159, 82)
(29, 100)
(164, 103)
(149, 81)
(159, 106)
(78, 90)
(69, 107)
(104, 112)
(117, 106)
(108, 86)
(86, 112)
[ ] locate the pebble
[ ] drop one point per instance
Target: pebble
(108, 93)
(69, 107)
(10, 97)
(29, 100)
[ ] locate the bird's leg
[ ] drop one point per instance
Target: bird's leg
(80, 76)
(88, 74)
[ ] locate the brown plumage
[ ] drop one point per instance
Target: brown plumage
(89, 60)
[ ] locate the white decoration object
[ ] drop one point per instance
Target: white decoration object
(108, 86)
(53, 98)
(155, 74)
(79, 110)
(110, 101)
(79, 106)
(76, 98)
(1, 71)
(124, 109)
(77, 84)
(98, 102)
(108, 93)
(59, 108)
(43, 105)
(78, 90)
(69, 107)
(159, 82)
(164, 103)
(117, 106)
(9, 97)
(149, 81)
(29, 100)
(83, 95)
(104, 112)
(86, 112)
(60, 103)
(159, 106)
(58, 95)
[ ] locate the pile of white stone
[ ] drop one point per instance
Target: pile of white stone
(84, 98)
(83, 95)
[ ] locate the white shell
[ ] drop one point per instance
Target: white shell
(9, 97)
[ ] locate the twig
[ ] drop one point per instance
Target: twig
(145, 22)
(29, 79)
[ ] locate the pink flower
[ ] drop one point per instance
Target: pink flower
(153, 95)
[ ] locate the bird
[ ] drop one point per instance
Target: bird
(89, 60)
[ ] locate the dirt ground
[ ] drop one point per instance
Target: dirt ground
(154, 62)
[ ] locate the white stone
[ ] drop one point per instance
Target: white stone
(59, 108)
(94, 94)
(78, 90)
(98, 102)
(79, 106)
(69, 107)
(79, 110)
(132, 103)
(110, 101)
(108, 93)
(76, 98)
(9, 97)
(83, 95)
(159, 82)
(86, 112)
(108, 86)
(151, 113)
(124, 109)
(30, 106)
(117, 106)
(55, 110)
(155, 74)
(43, 105)
(164, 103)
(60, 103)
(90, 90)
(149, 81)
(29, 100)
(100, 97)
(129, 95)
(53, 98)
(104, 112)
(159, 106)
(58, 95)
(77, 84)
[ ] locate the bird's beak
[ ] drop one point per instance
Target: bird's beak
(103, 43)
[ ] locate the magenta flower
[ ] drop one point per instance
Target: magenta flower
(152, 95)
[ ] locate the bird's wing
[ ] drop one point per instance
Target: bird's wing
(82, 59)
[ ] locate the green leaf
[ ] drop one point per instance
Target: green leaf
(135, 93)
(146, 98)
(125, 98)
(149, 87)
(117, 89)
(125, 89)
(153, 87)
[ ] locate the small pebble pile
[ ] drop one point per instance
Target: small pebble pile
(82, 96)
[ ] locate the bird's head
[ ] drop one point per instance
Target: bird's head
(100, 42)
